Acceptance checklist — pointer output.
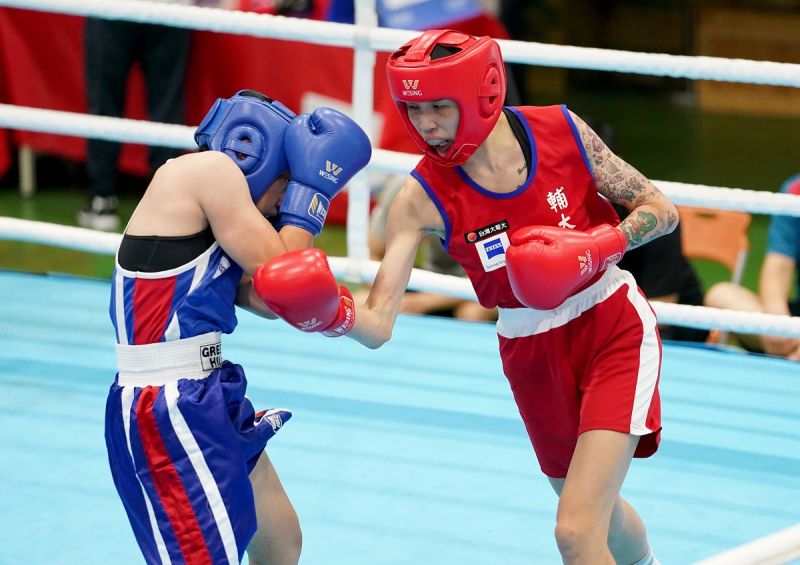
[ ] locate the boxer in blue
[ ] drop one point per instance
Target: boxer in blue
(185, 446)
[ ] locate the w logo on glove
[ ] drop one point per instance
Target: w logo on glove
(585, 262)
(333, 168)
(309, 325)
(316, 146)
(300, 288)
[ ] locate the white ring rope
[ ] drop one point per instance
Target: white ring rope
(96, 127)
(773, 549)
(364, 271)
(55, 235)
(178, 136)
(381, 39)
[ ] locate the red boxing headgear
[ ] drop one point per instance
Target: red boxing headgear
(473, 75)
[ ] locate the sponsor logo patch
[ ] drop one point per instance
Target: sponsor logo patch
(275, 421)
(211, 356)
(486, 231)
(222, 267)
(318, 208)
(493, 251)
(272, 417)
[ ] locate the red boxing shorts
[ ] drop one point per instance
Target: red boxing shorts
(592, 363)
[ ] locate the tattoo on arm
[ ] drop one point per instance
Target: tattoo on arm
(638, 227)
(651, 214)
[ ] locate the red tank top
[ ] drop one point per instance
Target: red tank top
(559, 191)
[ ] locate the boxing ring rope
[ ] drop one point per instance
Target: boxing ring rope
(365, 38)
(181, 137)
(774, 549)
(364, 271)
(382, 39)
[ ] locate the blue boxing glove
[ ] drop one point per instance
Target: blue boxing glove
(325, 149)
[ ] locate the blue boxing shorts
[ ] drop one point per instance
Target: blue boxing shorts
(181, 449)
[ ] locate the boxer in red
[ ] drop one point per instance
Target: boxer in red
(521, 198)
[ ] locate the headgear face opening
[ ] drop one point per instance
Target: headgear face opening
(248, 128)
(473, 75)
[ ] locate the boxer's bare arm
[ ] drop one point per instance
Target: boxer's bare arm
(193, 191)
(412, 215)
(247, 298)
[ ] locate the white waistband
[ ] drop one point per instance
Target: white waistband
(522, 322)
(158, 363)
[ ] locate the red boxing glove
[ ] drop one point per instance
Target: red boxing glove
(300, 288)
(546, 264)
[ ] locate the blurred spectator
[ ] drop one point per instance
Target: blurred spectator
(290, 8)
(665, 275)
(421, 14)
(512, 16)
(468, 16)
(111, 49)
(776, 280)
(660, 268)
(434, 258)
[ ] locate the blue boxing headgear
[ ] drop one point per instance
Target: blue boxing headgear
(248, 128)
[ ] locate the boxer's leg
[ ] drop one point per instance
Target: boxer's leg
(593, 521)
(278, 540)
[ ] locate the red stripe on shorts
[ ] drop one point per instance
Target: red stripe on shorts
(168, 484)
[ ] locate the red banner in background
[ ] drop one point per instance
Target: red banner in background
(50, 74)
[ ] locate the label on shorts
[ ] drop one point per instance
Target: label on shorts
(211, 356)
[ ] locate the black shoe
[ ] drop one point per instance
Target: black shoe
(100, 213)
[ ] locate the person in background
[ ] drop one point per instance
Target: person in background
(664, 274)
(185, 445)
(111, 49)
(520, 196)
(778, 293)
(660, 268)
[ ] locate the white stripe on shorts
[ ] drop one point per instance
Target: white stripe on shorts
(649, 363)
(207, 481)
(127, 403)
(119, 306)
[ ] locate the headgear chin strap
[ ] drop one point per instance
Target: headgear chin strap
(248, 128)
(473, 76)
